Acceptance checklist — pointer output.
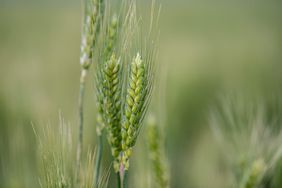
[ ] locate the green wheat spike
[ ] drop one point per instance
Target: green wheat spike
(137, 94)
(112, 104)
(156, 153)
(89, 34)
(110, 40)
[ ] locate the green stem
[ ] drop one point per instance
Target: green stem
(80, 131)
(118, 180)
(123, 176)
(124, 181)
(98, 160)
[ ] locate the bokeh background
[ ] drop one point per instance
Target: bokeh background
(207, 48)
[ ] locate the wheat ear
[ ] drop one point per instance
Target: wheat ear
(253, 175)
(140, 79)
(156, 152)
(112, 85)
(137, 95)
(107, 87)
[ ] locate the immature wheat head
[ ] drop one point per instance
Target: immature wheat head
(91, 26)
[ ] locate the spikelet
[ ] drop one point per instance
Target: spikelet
(111, 37)
(137, 94)
(91, 27)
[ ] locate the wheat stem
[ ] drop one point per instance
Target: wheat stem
(122, 176)
(98, 159)
(118, 180)
(124, 179)
(90, 29)
(80, 137)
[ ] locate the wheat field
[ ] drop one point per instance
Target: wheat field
(215, 111)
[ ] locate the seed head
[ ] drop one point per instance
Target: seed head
(108, 84)
(111, 36)
(109, 103)
(91, 28)
(156, 152)
(137, 93)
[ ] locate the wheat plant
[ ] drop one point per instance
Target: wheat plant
(93, 15)
(138, 90)
(124, 78)
(124, 82)
(156, 153)
(55, 151)
(56, 154)
(250, 142)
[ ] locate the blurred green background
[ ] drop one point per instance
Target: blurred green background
(206, 48)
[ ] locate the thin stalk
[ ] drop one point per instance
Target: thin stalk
(118, 180)
(124, 180)
(98, 160)
(81, 121)
(122, 176)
